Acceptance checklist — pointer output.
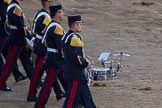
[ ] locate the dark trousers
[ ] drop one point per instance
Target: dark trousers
(37, 75)
(26, 62)
(4, 48)
(11, 60)
(2, 45)
(36, 78)
(62, 80)
(15, 70)
(16, 51)
(3, 42)
(78, 90)
(1, 63)
(46, 89)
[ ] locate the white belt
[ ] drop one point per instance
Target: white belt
(52, 50)
(13, 27)
(39, 37)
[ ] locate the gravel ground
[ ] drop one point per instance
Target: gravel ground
(130, 26)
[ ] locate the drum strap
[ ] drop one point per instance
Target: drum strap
(68, 37)
(12, 5)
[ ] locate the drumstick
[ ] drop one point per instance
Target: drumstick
(29, 24)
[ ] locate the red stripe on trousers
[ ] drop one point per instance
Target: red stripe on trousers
(47, 86)
(72, 94)
(8, 64)
(35, 76)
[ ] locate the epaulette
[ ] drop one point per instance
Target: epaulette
(59, 30)
(46, 21)
(7, 1)
(76, 42)
(17, 11)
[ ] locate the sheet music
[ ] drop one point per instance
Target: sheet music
(104, 56)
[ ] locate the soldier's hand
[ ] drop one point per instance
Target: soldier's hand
(33, 39)
(90, 67)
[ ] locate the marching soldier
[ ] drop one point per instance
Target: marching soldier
(3, 34)
(54, 60)
(4, 41)
(40, 23)
(17, 43)
(75, 64)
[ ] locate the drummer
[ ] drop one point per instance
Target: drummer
(75, 64)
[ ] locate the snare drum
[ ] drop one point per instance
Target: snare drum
(100, 73)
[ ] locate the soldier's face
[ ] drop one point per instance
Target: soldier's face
(78, 26)
(48, 3)
(60, 14)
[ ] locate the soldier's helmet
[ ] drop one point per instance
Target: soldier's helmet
(74, 18)
(54, 8)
